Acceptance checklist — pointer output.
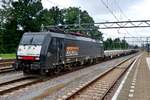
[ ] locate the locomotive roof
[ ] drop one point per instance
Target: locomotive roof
(66, 36)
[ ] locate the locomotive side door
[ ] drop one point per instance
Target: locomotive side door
(60, 50)
(52, 52)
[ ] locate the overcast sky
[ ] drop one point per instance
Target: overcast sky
(132, 9)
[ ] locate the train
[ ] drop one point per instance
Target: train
(49, 52)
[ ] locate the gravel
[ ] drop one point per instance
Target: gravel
(57, 87)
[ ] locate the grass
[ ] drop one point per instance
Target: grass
(8, 56)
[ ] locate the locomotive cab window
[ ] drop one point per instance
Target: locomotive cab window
(53, 44)
(31, 39)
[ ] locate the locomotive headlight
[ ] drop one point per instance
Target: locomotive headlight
(19, 57)
(37, 58)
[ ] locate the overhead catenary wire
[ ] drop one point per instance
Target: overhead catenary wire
(112, 13)
(121, 11)
(123, 14)
(109, 10)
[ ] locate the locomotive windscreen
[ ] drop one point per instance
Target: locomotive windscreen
(32, 39)
(30, 46)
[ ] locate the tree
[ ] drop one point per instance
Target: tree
(20, 16)
(52, 16)
(71, 16)
(124, 44)
(117, 43)
(110, 44)
(26, 13)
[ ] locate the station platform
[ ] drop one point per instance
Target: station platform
(137, 84)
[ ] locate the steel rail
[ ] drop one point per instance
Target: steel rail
(32, 80)
(76, 92)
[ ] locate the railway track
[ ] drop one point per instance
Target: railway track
(6, 69)
(99, 87)
(5, 65)
(7, 62)
(16, 84)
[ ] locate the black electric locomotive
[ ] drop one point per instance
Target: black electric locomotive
(49, 51)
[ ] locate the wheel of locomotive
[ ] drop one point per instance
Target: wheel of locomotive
(27, 71)
(92, 61)
(68, 67)
(81, 63)
(58, 69)
(74, 64)
(88, 62)
(78, 63)
(42, 72)
(16, 66)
